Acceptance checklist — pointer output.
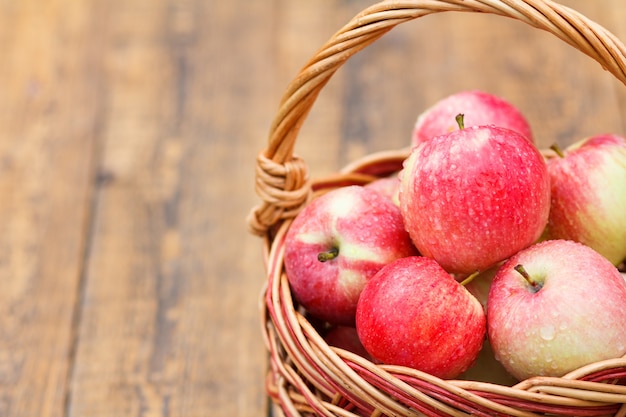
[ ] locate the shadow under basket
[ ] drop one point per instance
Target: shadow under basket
(306, 375)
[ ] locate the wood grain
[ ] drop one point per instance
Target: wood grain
(48, 112)
(129, 129)
(169, 324)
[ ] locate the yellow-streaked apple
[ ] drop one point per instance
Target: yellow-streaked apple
(555, 307)
(589, 195)
(338, 242)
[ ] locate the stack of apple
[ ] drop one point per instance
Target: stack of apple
(480, 240)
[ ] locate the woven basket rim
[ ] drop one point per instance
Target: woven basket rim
(308, 376)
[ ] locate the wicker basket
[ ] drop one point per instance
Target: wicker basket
(306, 375)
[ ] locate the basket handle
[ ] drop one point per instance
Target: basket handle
(281, 177)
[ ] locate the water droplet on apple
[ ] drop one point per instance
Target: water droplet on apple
(547, 332)
(563, 326)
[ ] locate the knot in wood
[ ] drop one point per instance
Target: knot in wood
(284, 188)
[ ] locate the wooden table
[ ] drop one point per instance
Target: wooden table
(129, 284)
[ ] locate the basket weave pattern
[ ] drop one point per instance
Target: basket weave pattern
(306, 375)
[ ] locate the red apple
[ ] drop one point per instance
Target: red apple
(346, 338)
(480, 285)
(336, 243)
(474, 197)
(413, 313)
(387, 186)
(480, 108)
(555, 307)
(589, 195)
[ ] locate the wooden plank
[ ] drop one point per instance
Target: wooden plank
(47, 123)
(170, 322)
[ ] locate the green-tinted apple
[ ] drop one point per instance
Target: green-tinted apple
(589, 195)
(554, 307)
(338, 242)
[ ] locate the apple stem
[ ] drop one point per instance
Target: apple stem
(470, 278)
(328, 255)
(556, 148)
(460, 120)
(522, 271)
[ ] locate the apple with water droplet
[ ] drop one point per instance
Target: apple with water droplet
(589, 195)
(387, 186)
(338, 242)
(474, 197)
(413, 313)
(555, 307)
(479, 107)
